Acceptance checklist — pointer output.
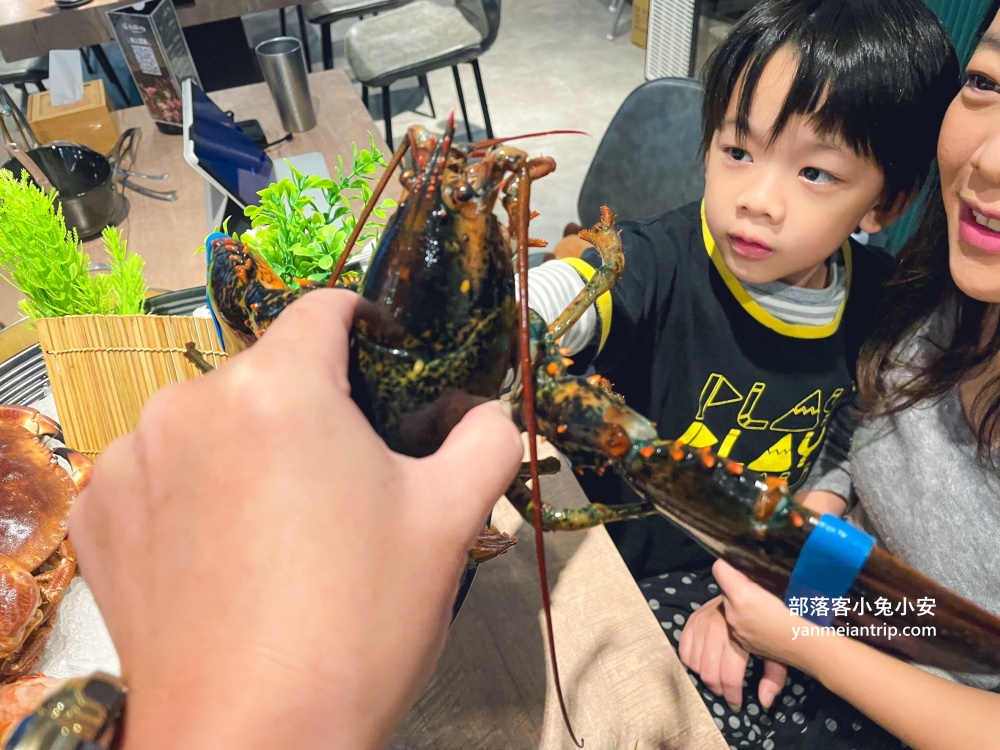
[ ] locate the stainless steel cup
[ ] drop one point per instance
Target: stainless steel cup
(284, 68)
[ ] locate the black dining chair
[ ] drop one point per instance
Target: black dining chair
(649, 160)
(418, 38)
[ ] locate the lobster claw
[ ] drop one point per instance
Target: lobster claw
(209, 297)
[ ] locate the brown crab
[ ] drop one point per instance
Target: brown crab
(36, 559)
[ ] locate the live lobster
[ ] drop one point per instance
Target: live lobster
(439, 325)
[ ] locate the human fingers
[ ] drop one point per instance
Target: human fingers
(691, 646)
(709, 658)
(476, 462)
(771, 682)
(732, 669)
(758, 620)
(693, 634)
(686, 644)
(712, 653)
(822, 501)
(107, 525)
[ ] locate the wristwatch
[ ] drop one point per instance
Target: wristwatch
(84, 714)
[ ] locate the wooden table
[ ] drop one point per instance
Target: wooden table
(622, 681)
(29, 28)
(167, 234)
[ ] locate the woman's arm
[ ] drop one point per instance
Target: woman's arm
(925, 711)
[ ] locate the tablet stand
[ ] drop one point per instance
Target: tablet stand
(219, 207)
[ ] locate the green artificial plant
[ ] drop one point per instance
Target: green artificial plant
(303, 243)
(44, 261)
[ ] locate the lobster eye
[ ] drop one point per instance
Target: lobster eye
(463, 193)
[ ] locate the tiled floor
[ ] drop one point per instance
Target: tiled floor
(550, 68)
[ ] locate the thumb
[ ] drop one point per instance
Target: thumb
(477, 461)
(771, 683)
(730, 580)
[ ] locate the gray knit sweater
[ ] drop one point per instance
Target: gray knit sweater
(923, 491)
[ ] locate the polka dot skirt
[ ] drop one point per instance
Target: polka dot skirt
(804, 715)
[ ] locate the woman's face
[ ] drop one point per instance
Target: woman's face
(969, 157)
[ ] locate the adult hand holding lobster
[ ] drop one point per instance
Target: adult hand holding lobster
(250, 567)
(759, 621)
(709, 648)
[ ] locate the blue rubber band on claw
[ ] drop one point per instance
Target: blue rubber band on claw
(208, 281)
(833, 555)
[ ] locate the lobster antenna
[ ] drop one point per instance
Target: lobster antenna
(531, 425)
(390, 169)
(475, 147)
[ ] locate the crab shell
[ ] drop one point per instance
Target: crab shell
(36, 561)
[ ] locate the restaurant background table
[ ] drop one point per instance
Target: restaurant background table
(167, 234)
(29, 28)
(622, 680)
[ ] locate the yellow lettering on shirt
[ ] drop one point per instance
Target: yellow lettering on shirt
(717, 392)
(727, 444)
(776, 459)
(745, 417)
(802, 417)
(698, 436)
(808, 445)
(789, 456)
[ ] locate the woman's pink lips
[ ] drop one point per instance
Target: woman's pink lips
(748, 249)
(976, 234)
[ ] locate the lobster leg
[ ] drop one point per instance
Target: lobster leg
(490, 543)
(573, 519)
(606, 240)
(545, 466)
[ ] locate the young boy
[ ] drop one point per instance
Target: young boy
(737, 321)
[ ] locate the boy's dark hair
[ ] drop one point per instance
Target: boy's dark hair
(877, 73)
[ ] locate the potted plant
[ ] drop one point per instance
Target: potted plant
(104, 357)
(302, 240)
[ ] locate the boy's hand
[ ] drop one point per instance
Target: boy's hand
(709, 649)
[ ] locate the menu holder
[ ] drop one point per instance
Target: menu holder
(157, 56)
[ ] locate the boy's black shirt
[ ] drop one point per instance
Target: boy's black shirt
(686, 353)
